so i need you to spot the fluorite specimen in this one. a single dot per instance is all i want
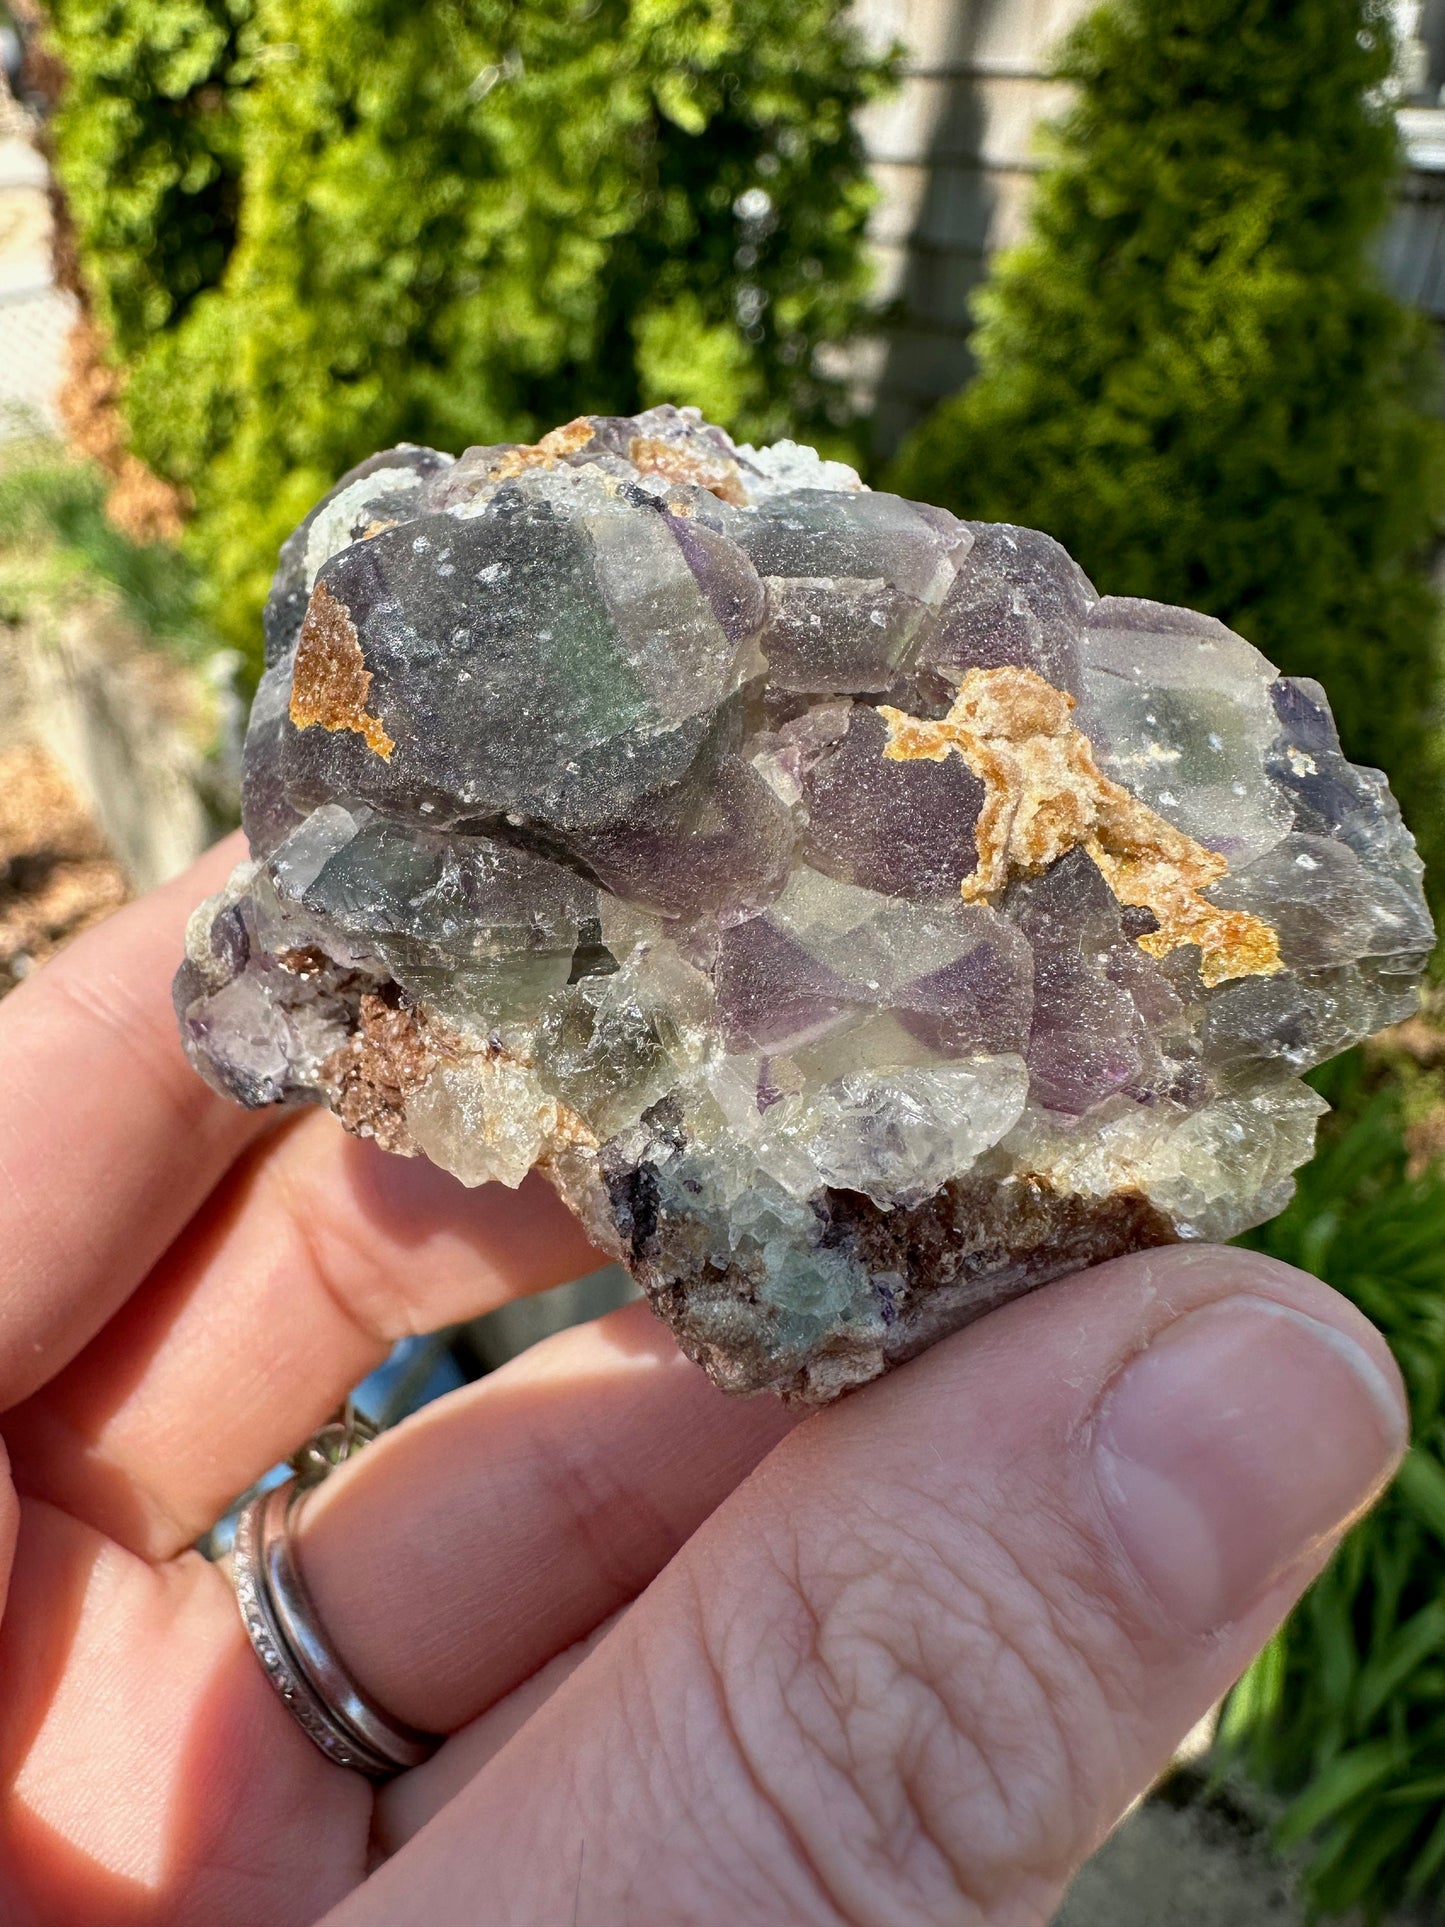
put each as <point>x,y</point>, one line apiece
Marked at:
<point>857,918</point>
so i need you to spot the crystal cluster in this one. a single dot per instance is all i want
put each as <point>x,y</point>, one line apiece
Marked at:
<point>856,917</point>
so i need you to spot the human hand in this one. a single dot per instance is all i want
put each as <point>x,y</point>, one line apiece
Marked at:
<point>906,1661</point>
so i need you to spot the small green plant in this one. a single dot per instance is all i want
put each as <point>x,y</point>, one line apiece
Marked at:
<point>315,227</point>
<point>1344,1712</point>
<point>55,542</point>
<point>1189,372</point>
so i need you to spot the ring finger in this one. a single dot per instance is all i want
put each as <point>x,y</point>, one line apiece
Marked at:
<point>448,1562</point>
<point>501,1525</point>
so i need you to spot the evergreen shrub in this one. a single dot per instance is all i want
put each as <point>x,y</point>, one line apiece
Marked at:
<point>315,227</point>
<point>1189,371</point>
<point>150,153</point>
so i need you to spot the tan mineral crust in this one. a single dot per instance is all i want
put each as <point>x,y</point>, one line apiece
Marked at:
<point>1044,796</point>
<point>856,917</point>
<point>331,682</point>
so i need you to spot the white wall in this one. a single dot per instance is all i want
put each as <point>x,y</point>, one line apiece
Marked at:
<point>955,152</point>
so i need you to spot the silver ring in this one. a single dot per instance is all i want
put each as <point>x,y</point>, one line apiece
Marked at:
<point>285,1634</point>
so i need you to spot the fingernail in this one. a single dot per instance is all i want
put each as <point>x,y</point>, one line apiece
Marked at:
<point>1242,1437</point>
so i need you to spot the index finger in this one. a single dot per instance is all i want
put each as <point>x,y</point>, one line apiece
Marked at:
<point>108,1139</point>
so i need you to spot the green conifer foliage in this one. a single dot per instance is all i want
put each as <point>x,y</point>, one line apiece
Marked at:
<point>150,151</point>
<point>1189,372</point>
<point>467,221</point>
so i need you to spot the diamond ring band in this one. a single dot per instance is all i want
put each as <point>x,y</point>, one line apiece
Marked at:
<point>286,1635</point>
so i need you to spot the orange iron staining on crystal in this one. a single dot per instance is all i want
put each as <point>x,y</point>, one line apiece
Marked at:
<point>675,463</point>
<point>332,683</point>
<point>1044,795</point>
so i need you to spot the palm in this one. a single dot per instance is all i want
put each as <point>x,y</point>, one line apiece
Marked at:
<point>190,1290</point>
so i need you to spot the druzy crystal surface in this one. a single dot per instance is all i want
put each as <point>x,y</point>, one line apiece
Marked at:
<point>856,917</point>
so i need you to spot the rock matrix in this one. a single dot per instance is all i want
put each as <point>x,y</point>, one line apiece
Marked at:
<point>857,918</point>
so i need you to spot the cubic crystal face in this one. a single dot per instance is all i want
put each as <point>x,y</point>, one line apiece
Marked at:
<point>856,917</point>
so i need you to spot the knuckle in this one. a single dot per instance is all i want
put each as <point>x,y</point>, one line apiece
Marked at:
<point>948,1710</point>
<point>603,1508</point>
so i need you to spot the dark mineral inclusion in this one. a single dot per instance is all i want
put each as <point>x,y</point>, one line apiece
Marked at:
<point>856,917</point>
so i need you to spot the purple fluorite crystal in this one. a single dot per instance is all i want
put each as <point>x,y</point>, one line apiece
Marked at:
<point>858,919</point>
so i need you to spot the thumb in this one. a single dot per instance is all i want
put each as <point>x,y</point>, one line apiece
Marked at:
<point>919,1663</point>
